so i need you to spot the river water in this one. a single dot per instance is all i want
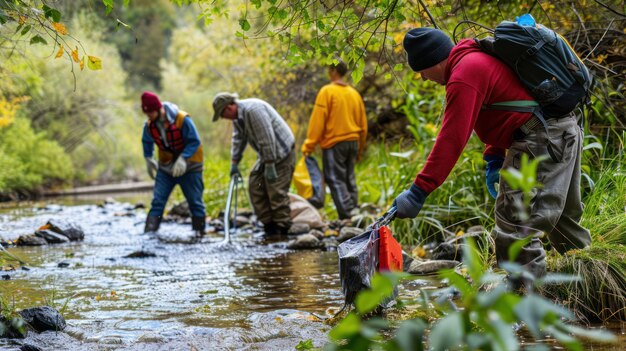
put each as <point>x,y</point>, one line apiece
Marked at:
<point>251,294</point>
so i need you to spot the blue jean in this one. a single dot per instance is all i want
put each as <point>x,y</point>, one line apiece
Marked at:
<point>192,185</point>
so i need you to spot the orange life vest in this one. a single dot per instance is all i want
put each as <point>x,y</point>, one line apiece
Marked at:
<point>175,143</point>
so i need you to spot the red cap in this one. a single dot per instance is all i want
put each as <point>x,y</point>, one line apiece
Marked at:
<point>150,102</point>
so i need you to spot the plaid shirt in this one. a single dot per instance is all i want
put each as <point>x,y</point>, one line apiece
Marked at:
<point>263,128</point>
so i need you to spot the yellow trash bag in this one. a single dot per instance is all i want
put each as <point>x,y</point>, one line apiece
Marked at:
<point>309,181</point>
<point>302,180</point>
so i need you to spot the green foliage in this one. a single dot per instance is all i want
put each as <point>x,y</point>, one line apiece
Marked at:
<point>89,116</point>
<point>11,320</point>
<point>30,159</point>
<point>305,345</point>
<point>487,322</point>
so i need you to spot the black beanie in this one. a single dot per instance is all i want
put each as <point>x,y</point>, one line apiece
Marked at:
<point>426,47</point>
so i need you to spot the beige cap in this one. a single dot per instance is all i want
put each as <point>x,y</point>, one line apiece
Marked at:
<point>220,101</point>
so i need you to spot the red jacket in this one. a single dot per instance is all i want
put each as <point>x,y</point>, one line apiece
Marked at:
<point>473,79</point>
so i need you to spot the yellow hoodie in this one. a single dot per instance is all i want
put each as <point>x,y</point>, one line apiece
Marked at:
<point>338,115</point>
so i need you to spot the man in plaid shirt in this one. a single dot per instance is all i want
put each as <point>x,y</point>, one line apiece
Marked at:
<point>257,123</point>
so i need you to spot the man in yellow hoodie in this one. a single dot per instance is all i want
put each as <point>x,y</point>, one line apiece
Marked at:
<point>339,125</point>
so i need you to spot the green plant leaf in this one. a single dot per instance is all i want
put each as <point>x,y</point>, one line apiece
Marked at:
<point>244,24</point>
<point>447,334</point>
<point>517,247</point>
<point>410,335</point>
<point>599,335</point>
<point>347,328</point>
<point>367,300</point>
<point>595,145</point>
<point>37,39</point>
<point>305,345</point>
<point>25,29</point>
<point>51,13</point>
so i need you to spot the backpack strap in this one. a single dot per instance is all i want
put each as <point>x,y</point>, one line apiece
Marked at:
<point>530,106</point>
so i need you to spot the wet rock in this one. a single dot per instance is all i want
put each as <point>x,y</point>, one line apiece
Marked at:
<point>303,242</point>
<point>139,205</point>
<point>63,264</point>
<point>43,318</point>
<point>241,221</point>
<point>109,201</point>
<point>70,230</point>
<point>52,237</point>
<point>6,277</point>
<point>330,244</point>
<point>317,233</point>
<point>418,267</point>
<point>446,251</point>
<point>217,224</point>
<point>30,347</point>
<point>299,228</point>
<point>348,233</point>
<point>13,328</point>
<point>140,254</point>
<point>180,209</point>
<point>30,240</point>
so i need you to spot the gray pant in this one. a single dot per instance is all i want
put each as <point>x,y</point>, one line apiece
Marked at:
<point>555,208</point>
<point>338,162</point>
<point>271,200</point>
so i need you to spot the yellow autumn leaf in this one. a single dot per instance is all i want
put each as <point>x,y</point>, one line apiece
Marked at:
<point>22,19</point>
<point>60,53</point>
<point>82,64</point>
<point>460,233</point>
<point>94,63</point>
<point>60,28</point>
<point>419,251</point>
<point>75,55</point>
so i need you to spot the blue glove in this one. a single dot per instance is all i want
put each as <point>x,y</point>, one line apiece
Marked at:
<point>234,169</point>
<point>494,164</point>
<point>409,202</point>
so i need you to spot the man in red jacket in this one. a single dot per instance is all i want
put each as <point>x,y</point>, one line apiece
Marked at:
<point>474,79</point>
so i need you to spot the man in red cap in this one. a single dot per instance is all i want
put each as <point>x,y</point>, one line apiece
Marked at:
<point>473,80</point>
<point>180,159</point>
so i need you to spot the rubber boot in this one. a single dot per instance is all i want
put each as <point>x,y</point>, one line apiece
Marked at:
<point>198,224</point>
<point>152,224</point>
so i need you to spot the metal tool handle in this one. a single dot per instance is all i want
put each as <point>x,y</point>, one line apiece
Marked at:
<point>384,219</point>
<point>232,186</point>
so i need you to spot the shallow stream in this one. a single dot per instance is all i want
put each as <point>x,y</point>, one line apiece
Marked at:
<point>251,294</point>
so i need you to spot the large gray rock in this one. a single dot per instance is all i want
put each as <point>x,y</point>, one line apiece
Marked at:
<point>304,242</point>
<point>348,233</point>
<point>31,240</point>
<point>72,231</point>
<point>418,267</point>
<point>446,251</point>
<point>317,233</point>
<point>299,228</point>
<point>52,237</point>
<point>43,318</point>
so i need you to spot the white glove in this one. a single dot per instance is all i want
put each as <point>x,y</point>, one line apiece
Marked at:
<point>153,166</point>
<point>180,166</point>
